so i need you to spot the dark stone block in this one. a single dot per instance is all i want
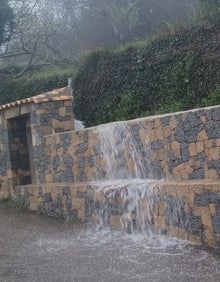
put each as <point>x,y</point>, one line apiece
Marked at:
<point>83,135</point>
<point>202,200</point>
<point>59,202</point>
<point>218,208</point>
<point>72,215</point>
<point>91,162</point>
<point>197,174</point>
<point>202,157</point>
<point>47,198</point>
<point>192,126</point>
<point>192,121</point>
<point>64,176</point>
<point>178,118</point>
<point>216,224</point>
<point>45,119</point>
<point>170,139</point>
<point>135,130</point>
<point>17,191</point>
<point>66,191</point>
<point>55,162</point>
<point>209,115</point>
<point>82,148</point>
<point>157,145</point>
<point>66,138</point>
<point>179,134</point>
<point>185,152</point>
<point>214,197</point>
<point>165,121</point>
<point>68,203</point>
<point>216,114</point>
<point>42,176</point>
<point>81,163</point>
<point>157,171</point>
<point>175,213</point>
<point>192,133</point>
<point>81,194</point>
<point>195,232</point>
<point>69,109</point>
<point>174,160</point>
<point>195,222</point>
<point>69,162</point>
<point>59,130</point>
<point>213,129</point>
<point>96,150</point>
<point>64,118</point>
<point>81,178</point>
<point>206,198</point>
<point>40,192</point>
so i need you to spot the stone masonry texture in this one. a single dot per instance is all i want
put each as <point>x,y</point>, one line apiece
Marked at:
<point>55,174</point>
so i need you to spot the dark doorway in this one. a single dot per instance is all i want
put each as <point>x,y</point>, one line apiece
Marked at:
<point>19,151</point>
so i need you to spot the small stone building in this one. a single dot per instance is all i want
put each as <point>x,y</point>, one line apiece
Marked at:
<point>22,125</point>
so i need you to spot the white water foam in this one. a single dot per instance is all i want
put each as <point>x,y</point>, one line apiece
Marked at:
<point>123,156</point>
<point>128,186</point>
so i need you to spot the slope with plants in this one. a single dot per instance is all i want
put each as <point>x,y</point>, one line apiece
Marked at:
<point>180,71</point>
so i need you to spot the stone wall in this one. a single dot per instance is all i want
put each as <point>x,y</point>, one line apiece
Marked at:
<point>186,210</point>
<point>181,146</point>
<point>66,167</point>
<point>23,124</point>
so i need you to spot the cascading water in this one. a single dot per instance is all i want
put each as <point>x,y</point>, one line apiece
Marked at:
<point>126,191</point>
<point>122,155</point>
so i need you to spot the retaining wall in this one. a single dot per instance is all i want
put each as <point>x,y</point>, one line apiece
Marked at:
<point>183,209</point>
<point>181,146</point>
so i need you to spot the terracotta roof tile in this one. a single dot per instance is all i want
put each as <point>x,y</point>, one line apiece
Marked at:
<point>62,94</point>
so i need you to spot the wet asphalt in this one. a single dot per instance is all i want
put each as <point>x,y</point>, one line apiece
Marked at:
<point>37,248</point>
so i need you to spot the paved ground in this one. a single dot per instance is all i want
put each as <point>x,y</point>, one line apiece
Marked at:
<point>37,248</point>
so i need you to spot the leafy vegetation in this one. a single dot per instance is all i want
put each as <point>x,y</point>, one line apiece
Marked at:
<point>27,86</point>
<point>173,73</point>
<point>175,68</point>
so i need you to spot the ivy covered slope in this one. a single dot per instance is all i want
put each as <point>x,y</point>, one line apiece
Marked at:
<point>177,72</point>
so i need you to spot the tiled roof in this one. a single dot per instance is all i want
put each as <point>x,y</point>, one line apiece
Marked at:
<point>62,94</point>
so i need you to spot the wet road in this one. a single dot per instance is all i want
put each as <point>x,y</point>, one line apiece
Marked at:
<point>38,248</point>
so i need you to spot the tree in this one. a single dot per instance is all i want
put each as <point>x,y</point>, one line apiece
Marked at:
<point>6,21</point>
<point>48,31</point>
<point>41,36</point>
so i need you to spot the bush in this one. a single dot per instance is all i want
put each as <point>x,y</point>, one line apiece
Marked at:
<point>27,86</point>
<point>170,74</point>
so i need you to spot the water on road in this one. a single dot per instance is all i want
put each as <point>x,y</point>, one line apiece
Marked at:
<point>37,248</point>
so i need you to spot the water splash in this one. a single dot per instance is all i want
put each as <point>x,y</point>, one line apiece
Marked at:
<point>127,204</point>
<point>123,154</point>
<point>126,197</point>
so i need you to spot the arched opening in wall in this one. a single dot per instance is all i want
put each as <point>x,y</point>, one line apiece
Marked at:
<point>21,150</point>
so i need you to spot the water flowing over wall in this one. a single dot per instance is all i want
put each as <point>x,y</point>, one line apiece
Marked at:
<point>157,175</point>
<point>182,146</point>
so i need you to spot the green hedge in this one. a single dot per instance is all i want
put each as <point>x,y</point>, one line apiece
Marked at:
<point>178,72</point>
<point>16,89</point>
